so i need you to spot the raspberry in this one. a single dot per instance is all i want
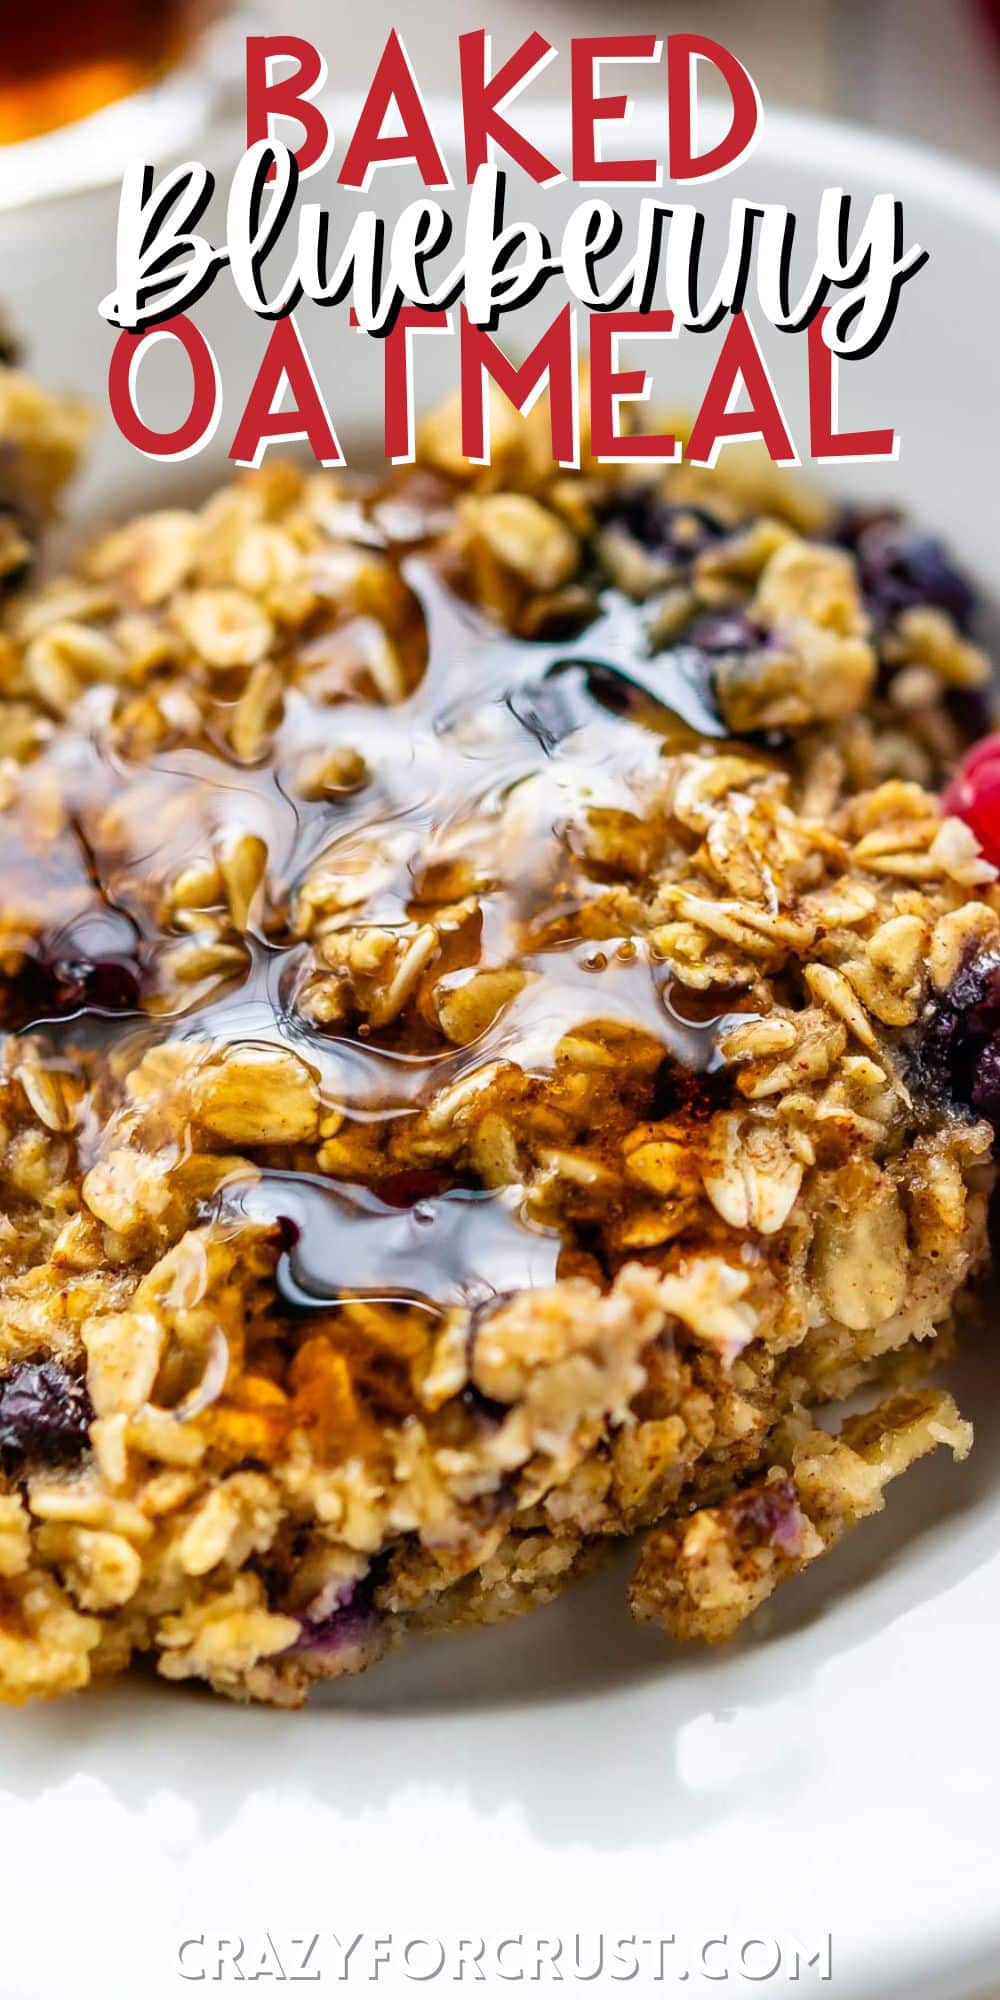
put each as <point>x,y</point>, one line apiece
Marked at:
<point>974,795</point>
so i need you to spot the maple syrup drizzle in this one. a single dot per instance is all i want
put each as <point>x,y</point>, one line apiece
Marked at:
<point>343,1241</point>
<point>485,762</point>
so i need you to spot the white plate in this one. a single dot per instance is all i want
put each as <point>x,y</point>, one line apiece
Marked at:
<point>834,1775</point>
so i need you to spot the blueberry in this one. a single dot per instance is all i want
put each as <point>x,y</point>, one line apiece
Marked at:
<point>899,570</point>
<point>352,1619</point>
<point>51,989</point>
<point>663,527</point>
<point>854,522</point>
<point>765,1506</point>
<point>90,966</point>
<point>986,1087</point>
<point>773,1512</point>
<point>45,1415</point>
<point>956,1053</point>
<point>347,1626</point>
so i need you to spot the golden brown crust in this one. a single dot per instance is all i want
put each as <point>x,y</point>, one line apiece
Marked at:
<point>701,1577</point>
<point>575,1034</point>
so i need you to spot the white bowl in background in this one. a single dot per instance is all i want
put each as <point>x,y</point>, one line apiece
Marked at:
<point>834,1774</point>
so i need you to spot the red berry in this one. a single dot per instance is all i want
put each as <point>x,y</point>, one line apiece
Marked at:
<point>974,794</point>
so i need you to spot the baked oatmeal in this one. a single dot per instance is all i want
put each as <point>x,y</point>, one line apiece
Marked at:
<point>501,1034</point>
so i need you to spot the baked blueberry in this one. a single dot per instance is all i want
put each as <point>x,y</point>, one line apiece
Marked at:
<point>45,1415</point>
